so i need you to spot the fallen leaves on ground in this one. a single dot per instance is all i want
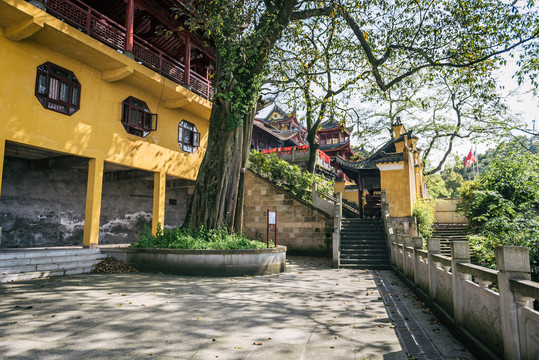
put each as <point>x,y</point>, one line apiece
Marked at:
<point>112,265</point>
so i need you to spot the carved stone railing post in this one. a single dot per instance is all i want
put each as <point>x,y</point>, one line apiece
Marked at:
<point>433,247</point>
<point>406,242</point>
<point>398,255</point>
<point>513,262</point>
<point>460,253</point>
<point>314,193</point>
<point>394,249</point>
<point>337,224</point>
<point>418,245</point>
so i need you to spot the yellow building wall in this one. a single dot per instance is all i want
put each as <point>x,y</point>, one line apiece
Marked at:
<point>350,195</point>
<point>94,131</point>
<point>396,183</point>
<point>29,37</point>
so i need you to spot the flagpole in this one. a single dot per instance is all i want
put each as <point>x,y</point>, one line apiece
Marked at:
<point>476,161</point>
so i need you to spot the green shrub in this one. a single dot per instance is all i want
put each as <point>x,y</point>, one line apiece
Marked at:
<point>424,213</point>
<point>502,207</point>
<point>289,177</point>
<point>196,239</point>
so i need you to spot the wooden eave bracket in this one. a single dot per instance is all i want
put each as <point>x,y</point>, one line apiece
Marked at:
<point>118,74</point>
<point>24,29</point>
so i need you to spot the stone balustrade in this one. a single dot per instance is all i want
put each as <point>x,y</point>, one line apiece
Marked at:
<point>490,310</point>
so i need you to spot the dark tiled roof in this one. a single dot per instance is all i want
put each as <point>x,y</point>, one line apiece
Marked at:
<point>279,134</point>
<point>370,162</point>
<point>332,124</point>
<point>334,146</point>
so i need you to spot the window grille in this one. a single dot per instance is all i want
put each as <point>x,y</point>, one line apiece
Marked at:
<point>188,136</point>
<point>57,89</point>
<point>137,118</point>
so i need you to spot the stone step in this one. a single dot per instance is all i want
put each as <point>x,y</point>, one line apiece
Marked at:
<point>363,221</point>
<point>28,253</point>
<point>43,274</point>
<point>363,247</point>
<point>381,257</point>
<point>49,266</point>
<point>25,264</point>
<point>365,267</point>
<point>352,241</point>
<point>48,259</point>
<point>375,265</point>
<point>359,235</point>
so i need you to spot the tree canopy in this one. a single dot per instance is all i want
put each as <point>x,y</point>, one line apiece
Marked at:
<point>502,205</point>
<point>392,40</point>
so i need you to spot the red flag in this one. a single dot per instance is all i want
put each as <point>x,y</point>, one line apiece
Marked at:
<point>470,159</point>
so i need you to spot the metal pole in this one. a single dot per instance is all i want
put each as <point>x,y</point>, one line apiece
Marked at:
<point>275,240</point>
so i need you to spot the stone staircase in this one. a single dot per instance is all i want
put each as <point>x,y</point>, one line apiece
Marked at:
<point>447,233</point>
<point>25,264</point>
<point>350,209</point>
<point>363,244</point>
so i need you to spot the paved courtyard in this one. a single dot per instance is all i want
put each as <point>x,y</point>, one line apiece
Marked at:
<point>309,312</point>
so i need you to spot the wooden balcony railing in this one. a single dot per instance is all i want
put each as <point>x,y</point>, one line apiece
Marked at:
<point>100,27</point>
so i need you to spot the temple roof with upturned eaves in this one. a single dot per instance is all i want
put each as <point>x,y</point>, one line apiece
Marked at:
<point>333,124</point>
<point>335,146</point>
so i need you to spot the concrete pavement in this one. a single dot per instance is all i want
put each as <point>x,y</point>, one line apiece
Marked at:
<point>309,312</point>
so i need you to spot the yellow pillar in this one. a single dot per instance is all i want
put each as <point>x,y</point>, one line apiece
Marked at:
<point>2,151</point>
<point>93,203</point>
<point>159,186</point>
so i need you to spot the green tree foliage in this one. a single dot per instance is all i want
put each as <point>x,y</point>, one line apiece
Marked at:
<point>393,41</point>
<point>289,177</point>
<point>453,182</point>
<point>423,211</point>
<point>502,206</point>
<point>313,70</point>
<point>436,187</point>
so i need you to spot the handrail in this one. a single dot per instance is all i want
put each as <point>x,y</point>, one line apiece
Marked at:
<point>444,260</point>
<point>526,288</point>
<point>95,24</point>
<point>483,273</point>
<point>422,253</point>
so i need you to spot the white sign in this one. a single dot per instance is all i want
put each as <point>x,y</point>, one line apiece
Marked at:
<point>272,218</point>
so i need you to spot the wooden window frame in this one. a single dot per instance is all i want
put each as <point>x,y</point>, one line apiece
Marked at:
<point>144,120</point>
<point>188,136</point>
<point>57,89</point>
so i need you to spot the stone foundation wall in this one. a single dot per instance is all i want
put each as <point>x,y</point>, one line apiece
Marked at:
<point>45,207</point>
<point>300,227</point>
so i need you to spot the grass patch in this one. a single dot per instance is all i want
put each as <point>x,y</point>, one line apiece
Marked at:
<point>196,239</point>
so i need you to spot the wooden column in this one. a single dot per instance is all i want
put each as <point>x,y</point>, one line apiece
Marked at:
<point>187,73</point>
<point>159,186</point>
<point>93,203</point>
<point>129,25</point>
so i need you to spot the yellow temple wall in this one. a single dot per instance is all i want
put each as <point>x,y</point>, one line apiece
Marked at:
<point>94,131</point>
<point>350,195</point>
<point>29,37</point>
<point>396,183</point>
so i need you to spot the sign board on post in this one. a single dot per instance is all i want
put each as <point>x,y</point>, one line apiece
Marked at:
<point>271,221</point>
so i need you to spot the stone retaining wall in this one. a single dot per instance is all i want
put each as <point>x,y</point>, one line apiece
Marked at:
<point>301,227</point>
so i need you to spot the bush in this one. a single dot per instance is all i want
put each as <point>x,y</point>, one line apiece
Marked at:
<point>195,239</point>
<point>289,177</point>
<point>424,213</point>
<point>502,207</point>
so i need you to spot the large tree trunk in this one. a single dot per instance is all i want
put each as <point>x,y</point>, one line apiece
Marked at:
<point>313,151</point>
<point>214,199</point>
<point>247,135</point>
